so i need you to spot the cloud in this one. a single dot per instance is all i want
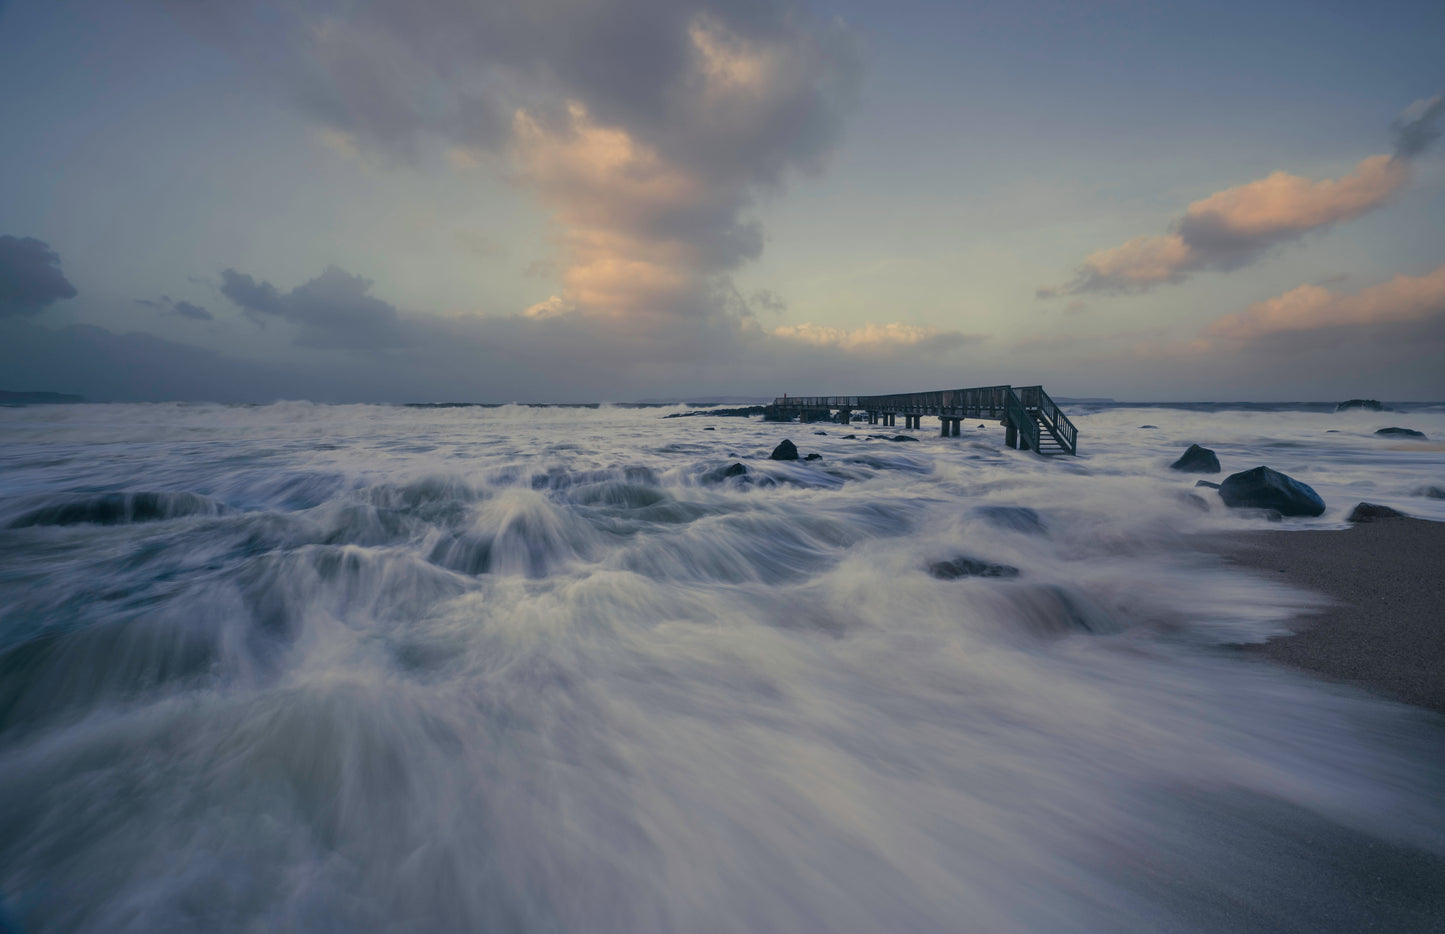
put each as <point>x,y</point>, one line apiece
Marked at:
<point>30,277</point>
<point>1418,126</point>
<point>874,338</point>
<point>646,127</point>
<point>1311,307</point>
<point>1235,227</point>
<point>332,311</point>
<point>181,309</point>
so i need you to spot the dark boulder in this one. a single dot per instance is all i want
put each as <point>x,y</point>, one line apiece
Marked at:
<point>1396,432</point>
<point>820,432</point>
<point>850,437</point>
<point>1368,512</point>
<point>1372,405</point>
<point>902,438</point>
<point>813,456</point>
<point>786,451</point>
<point>1017,518</point>
<point>1197,460</point>
<point>1141,427</point>
<point>1429,492</point>
<point>1263,488</point>
<point>709,428</point>
<point>736,470</point>
<point>964,566</point>
<point>1212,486</point>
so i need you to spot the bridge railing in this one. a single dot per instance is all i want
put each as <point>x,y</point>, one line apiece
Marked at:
<point>1018,415</point>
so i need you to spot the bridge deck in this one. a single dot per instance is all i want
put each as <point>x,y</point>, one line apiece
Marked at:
<point>1031,417</point>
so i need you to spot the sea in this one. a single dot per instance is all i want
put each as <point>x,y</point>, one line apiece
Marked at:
<point>351,668</point>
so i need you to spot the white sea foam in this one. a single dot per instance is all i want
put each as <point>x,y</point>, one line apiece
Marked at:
<point>372,668</point>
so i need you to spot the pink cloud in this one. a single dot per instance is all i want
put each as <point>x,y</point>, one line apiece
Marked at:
<point>1308,307</point>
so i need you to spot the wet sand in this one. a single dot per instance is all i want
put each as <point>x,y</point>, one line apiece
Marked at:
<point>1386,631</point>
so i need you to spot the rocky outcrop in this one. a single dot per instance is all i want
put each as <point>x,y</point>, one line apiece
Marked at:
<point>1197,460</point>
<point>1263,488</point>
<point>1396,432</point>
<point>1370,405</point>
<point>964,566</point>
<point>736,470</point>
<point>1016,518</point>
<point>1206,483</point>
<point>785,451</point>
<point>1369,512</point>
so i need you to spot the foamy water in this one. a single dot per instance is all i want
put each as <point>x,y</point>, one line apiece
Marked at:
<point>356,668</point>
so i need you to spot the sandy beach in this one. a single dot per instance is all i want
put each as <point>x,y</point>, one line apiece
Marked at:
<point>1386,629</point>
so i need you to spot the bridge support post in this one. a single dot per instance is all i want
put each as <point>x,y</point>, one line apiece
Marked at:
<point>1011,435</point>
<point>957,424</point>
<point>942,427</point>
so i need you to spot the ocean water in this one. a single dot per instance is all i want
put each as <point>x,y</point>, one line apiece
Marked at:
<point>356,668</point>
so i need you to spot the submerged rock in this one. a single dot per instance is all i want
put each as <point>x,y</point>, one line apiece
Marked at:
<point>1397,432</point>
<point>736,470</point>
<point>709,428</point>
<point>850,437</point>
<point>1429,492</point>
<point>1206,483</point>
<point>902,438</point>
<point>1142,427</point>
<point>813,456</point>
<point>820,432</point>
<point>1197,460</point>
<point>1368,512</point>
<point>1016,518</point>
<point>1372,405</point>
<point>1264,488</point>
<point>964,566</point>
<point>1195,500</point>
<point>786,451</point>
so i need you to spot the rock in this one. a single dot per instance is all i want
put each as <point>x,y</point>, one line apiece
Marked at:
<point>850,437</point>
<point>1393,431</point>
<point>1269,489</point>
<point>1372,405</point>
<point>1141,427</point>
<point>820,432</point>
<point>1195,500</point>
<point>736,470</point>
<point>964,566</point>
<point>1212,486</point>
<point>785,451</point>
<point>1018,518</point>
<point>1332,431</point>
<point>814,456</point>
<point>1197,460</point>
<point>709,428</point>
<point>902,438</point>
<point>1429,492</point>
<point>1368,512</point>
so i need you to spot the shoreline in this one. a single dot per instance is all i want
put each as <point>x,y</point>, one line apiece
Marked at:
<point>1385,630</point>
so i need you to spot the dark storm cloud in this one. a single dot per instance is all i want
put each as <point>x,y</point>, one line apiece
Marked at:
<point>334,310</point>
<point>30,276</point>
<point>1418,126</point>
<point>182,309</point>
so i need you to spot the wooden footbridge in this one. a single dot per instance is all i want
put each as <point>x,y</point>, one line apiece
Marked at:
<point>1031,420</point>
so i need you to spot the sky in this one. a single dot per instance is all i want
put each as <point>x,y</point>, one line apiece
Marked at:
<point>612,200</point>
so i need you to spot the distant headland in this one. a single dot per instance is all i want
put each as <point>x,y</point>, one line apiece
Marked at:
<point>38,398</point>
